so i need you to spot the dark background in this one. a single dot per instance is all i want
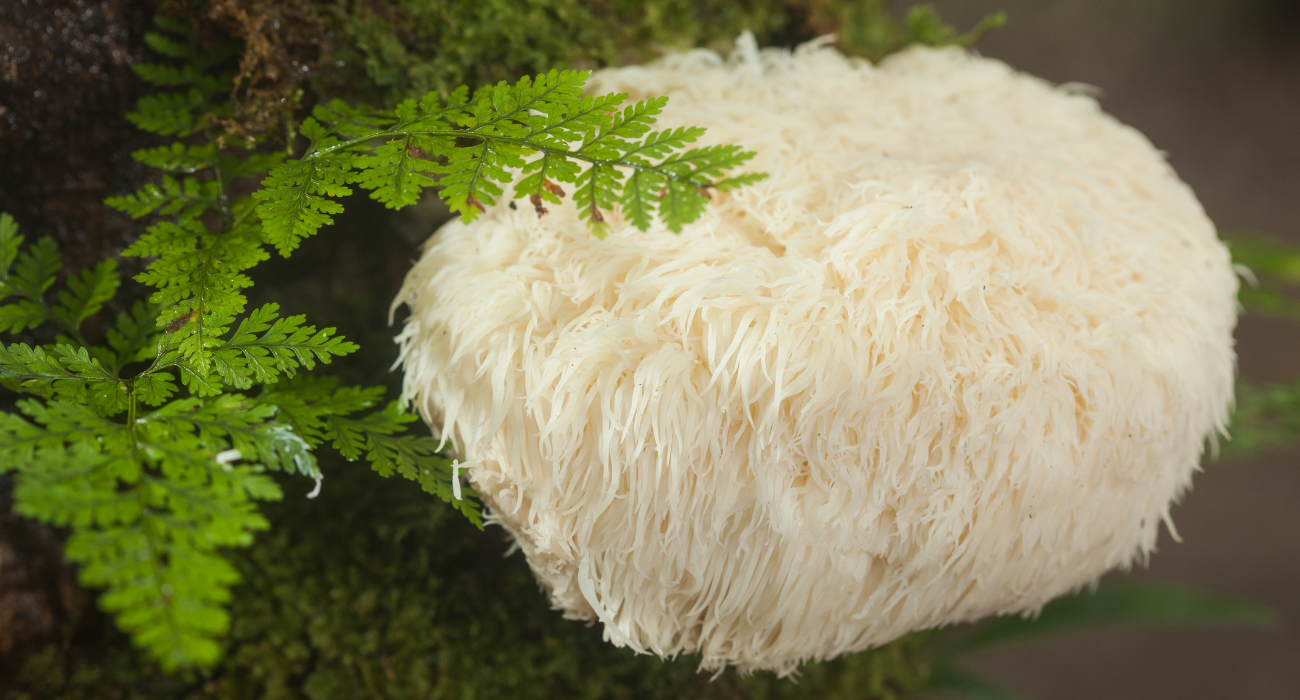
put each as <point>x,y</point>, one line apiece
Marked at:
<point>1215,84</point>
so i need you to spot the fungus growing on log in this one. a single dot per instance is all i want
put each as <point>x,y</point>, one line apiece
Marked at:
<point>956,356</point>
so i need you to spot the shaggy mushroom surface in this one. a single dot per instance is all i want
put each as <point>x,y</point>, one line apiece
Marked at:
<point>956,356</point>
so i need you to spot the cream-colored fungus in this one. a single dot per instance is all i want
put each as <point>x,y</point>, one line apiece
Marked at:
<point>956,356</point>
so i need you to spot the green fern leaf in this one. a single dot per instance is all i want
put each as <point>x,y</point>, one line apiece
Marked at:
<point>87,292</point>
<point>147,539</point>
<point>243,425</point>
<point>537,184</point>
<point>294,200</point>
<point>10,242</point>
<point>154,389</point>
<point>150,502</point>
<point>732,183</point>
<point>264,346</point>
<point>178,157</point>
<point>338,117</point>
<point>383,436</point>
<point>413,457</point>
<point>469,186</point>
<point>476,145</point>
<point>686,197</point>
<point>498,106</point>
<point>394,174</point>
<point>682,202</point>
<point>597,190</point>
<point>321,411</point>
<point>199,276</point>
<point>69,373</point>
<point>19,316</point>
<point>145,200</point>
<point>199,379</point>
<point>169,114</point>
<point>255,164</point>
<point>34,271</point>
<point>640,196</point>
<point>304,402</point>
<point>134,337</point>
<point>612,140</point>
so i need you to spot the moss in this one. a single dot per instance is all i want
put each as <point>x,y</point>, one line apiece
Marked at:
<point>386,50</point>
<point>373,591</point>
<point>382,51</point>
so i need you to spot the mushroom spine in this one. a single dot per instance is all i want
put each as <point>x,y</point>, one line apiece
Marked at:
<point>956,356</point>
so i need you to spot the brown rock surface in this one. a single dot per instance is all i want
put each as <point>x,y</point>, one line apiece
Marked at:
<point>65,86</point>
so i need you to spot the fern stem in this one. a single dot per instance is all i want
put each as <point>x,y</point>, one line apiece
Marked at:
<point>223,199</point>
<point>240,219</point>
<point>130,419</point>
<point>151,542</point>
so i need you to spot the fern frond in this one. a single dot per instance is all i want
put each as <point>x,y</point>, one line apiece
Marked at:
<point>348,122</point>
<point>150,502</point>
<point>476,145</point>
<point>180,41</point>
<point>254,165</point>
<point>503,108</point>
<point>22,315</point>
<point>153,389</point>
<point>167,46</point>
<point>178,157</point>
<point>732,183</point>
<point>87,292</point>
<point>134,337</point>
<point>31,271</point>
<point>640,196</point>
<point>395,174</point>
<point>304,402</point>
<point>597,189</point>
<point>381,435</point>
<point>69,373</point>
<point>612,140</point>
<point>537,183</point>
<point>265,345</point>
<point>170,196</point>
<point>169,114</point>
<point>294,200</point>
<point>321,412</point>
<point>10,242</point>
<point>36,271</point>
<point>166,76</point>
<point>242,424</point>
<point>179,76</point>
<point>472,174</point>
<point>199,276</point>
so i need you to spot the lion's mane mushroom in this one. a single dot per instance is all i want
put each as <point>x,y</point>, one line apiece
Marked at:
<point>958,355</point>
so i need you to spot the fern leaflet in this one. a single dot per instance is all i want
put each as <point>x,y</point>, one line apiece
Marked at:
<point>472,147</point>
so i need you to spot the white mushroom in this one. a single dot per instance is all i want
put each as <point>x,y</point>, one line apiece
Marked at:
<point>958,355</point>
